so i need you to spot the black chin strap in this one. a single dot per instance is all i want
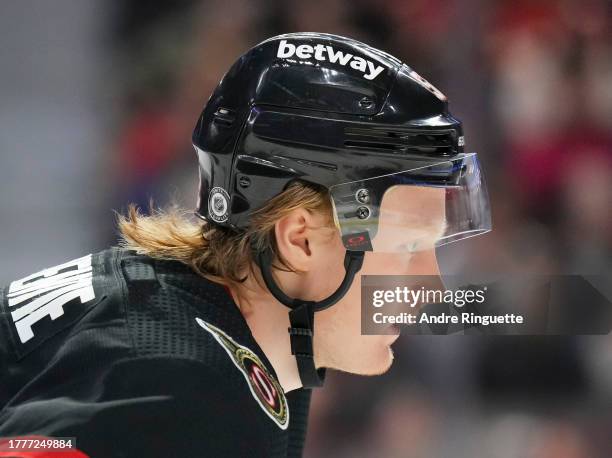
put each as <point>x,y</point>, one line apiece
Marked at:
<point>301,316</point>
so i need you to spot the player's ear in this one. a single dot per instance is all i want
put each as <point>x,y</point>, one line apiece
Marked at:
<point>292,233</point>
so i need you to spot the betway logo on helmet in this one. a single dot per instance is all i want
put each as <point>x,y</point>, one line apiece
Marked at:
<point>327,53</point>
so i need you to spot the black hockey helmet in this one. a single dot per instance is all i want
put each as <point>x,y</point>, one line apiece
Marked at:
<point>338,113</point>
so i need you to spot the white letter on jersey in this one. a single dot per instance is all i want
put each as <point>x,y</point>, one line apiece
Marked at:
<point>45,293</point>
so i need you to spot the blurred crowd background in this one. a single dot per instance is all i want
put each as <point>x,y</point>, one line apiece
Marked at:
<point>98,101</point>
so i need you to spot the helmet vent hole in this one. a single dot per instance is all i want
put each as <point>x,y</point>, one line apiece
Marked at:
<point>430,142</point>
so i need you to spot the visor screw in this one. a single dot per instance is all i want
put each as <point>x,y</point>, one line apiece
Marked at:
<point>244,182</point>
<point>362,196</point>
<point>363,212</point>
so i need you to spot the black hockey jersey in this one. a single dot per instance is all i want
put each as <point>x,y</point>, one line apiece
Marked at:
<point>137,357</point>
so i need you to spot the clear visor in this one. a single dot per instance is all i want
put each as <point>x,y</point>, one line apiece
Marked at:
<point>414,210</point>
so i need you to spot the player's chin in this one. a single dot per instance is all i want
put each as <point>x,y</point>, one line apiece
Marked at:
<point>378,364</point>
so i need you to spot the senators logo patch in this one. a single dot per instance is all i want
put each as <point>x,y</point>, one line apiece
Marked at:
<point>265,388</point>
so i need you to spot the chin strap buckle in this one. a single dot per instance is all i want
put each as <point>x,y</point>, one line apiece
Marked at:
<point>301,318</point>
<point>301,342</point>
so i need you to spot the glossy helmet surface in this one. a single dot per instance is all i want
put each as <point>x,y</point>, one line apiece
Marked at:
<point>315,107</point>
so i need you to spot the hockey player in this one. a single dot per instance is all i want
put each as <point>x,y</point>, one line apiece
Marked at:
<point>321,159</point>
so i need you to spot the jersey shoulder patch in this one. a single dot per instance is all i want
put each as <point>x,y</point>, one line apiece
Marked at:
<point>263,385</point>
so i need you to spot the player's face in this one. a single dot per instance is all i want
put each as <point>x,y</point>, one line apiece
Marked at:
<point>410,221</point>
<point>339,343</point>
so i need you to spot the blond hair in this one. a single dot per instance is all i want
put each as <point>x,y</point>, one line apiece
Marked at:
<point>214,252</point>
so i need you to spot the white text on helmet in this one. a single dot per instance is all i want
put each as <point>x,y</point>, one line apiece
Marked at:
<point>323,52</point>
